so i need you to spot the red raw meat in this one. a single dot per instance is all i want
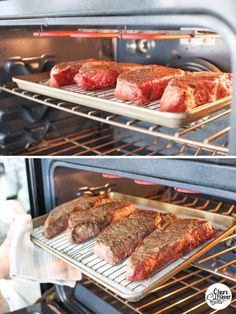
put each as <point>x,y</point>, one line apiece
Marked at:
<point>144,84</point>
<point>102,74</point>
<point>185,93</point>
<point>162,247</point>
<point>63,74</point>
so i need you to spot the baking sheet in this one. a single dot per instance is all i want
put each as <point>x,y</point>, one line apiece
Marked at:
<point>105,100</point>
<point>113,277</point>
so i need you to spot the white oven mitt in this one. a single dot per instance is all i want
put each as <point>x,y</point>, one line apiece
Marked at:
<point>31,263</point>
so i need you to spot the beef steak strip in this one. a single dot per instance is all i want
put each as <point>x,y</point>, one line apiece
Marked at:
<point>119,240</point>
<point>145,84</point>
<point>63,74</point>
<point>100,75</point>
<point>57,220</point>
<point>90,223</point>
<point>185,93</point>
<point>162,247</point>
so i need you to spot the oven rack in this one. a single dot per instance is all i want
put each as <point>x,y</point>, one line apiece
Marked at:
<point>101,142</point>
<point>182,294</point>
<point>189,137</point>
<point>197,201</point>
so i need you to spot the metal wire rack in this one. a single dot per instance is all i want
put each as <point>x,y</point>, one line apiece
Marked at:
<point>185,292</point>
<point>207,136</point>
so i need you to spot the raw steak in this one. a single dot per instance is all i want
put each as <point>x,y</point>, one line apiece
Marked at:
<point>102,74</point>
<point>119,240</point>
<point>185,93</point>
<point>144,84</point>
<point>57,221</point>
<point>162,247</point>
<point>90,223</point>
<point>63,74</point>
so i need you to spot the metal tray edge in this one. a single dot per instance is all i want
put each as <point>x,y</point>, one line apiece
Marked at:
<point>168,119</point>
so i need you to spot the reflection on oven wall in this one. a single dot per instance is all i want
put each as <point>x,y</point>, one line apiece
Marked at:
<point>191,54</point>
<point>79,179</point>
<point>24,122</point>
<point>21,42</point>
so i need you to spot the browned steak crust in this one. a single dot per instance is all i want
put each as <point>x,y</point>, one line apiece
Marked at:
<point>92,222</point>
<point>119,240</point>
<point>57,220</point>
<point>162,247</point>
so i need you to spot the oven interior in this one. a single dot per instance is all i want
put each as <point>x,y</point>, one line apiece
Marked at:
<point>33,124</point>
<point>184,293</point>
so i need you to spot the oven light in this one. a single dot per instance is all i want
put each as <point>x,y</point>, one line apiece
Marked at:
<point>144,182</point>
<point>127,34</point>
<point>110,176</point>
<point>186,191</point>
<point>80,34</point>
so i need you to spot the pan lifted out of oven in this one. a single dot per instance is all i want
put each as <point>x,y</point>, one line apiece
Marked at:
<point>161,184</point>
<point>113,277</point>
<point>69,121</point>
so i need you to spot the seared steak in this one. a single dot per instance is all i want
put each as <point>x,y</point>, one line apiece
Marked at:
<point>144,84</point>
<point>162,247</point>
<point>90,223</point>
<point>57,221</point>
<point>119,240</point>
<point>185,93</point>
<point>62,74</point>
<point>102,74</point>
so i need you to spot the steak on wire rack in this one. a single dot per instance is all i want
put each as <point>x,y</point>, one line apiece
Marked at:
<point>185,93</point>
<point>90,223</point>
<point>145,84</point>
<point>57,220</point>
<point>119,240</point>
<point>103,74</point>
<point>162,247</point>
<point>63,74</point>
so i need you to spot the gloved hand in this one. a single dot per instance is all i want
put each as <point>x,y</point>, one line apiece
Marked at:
<point>21,258</point>
<point>32,263</point>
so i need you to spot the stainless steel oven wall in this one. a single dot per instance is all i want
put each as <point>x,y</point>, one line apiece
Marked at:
<point>190,54</point>
<point>19,41</point>
<point>61,178</point>
<point>25,122</point>
<point>24,9</point>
